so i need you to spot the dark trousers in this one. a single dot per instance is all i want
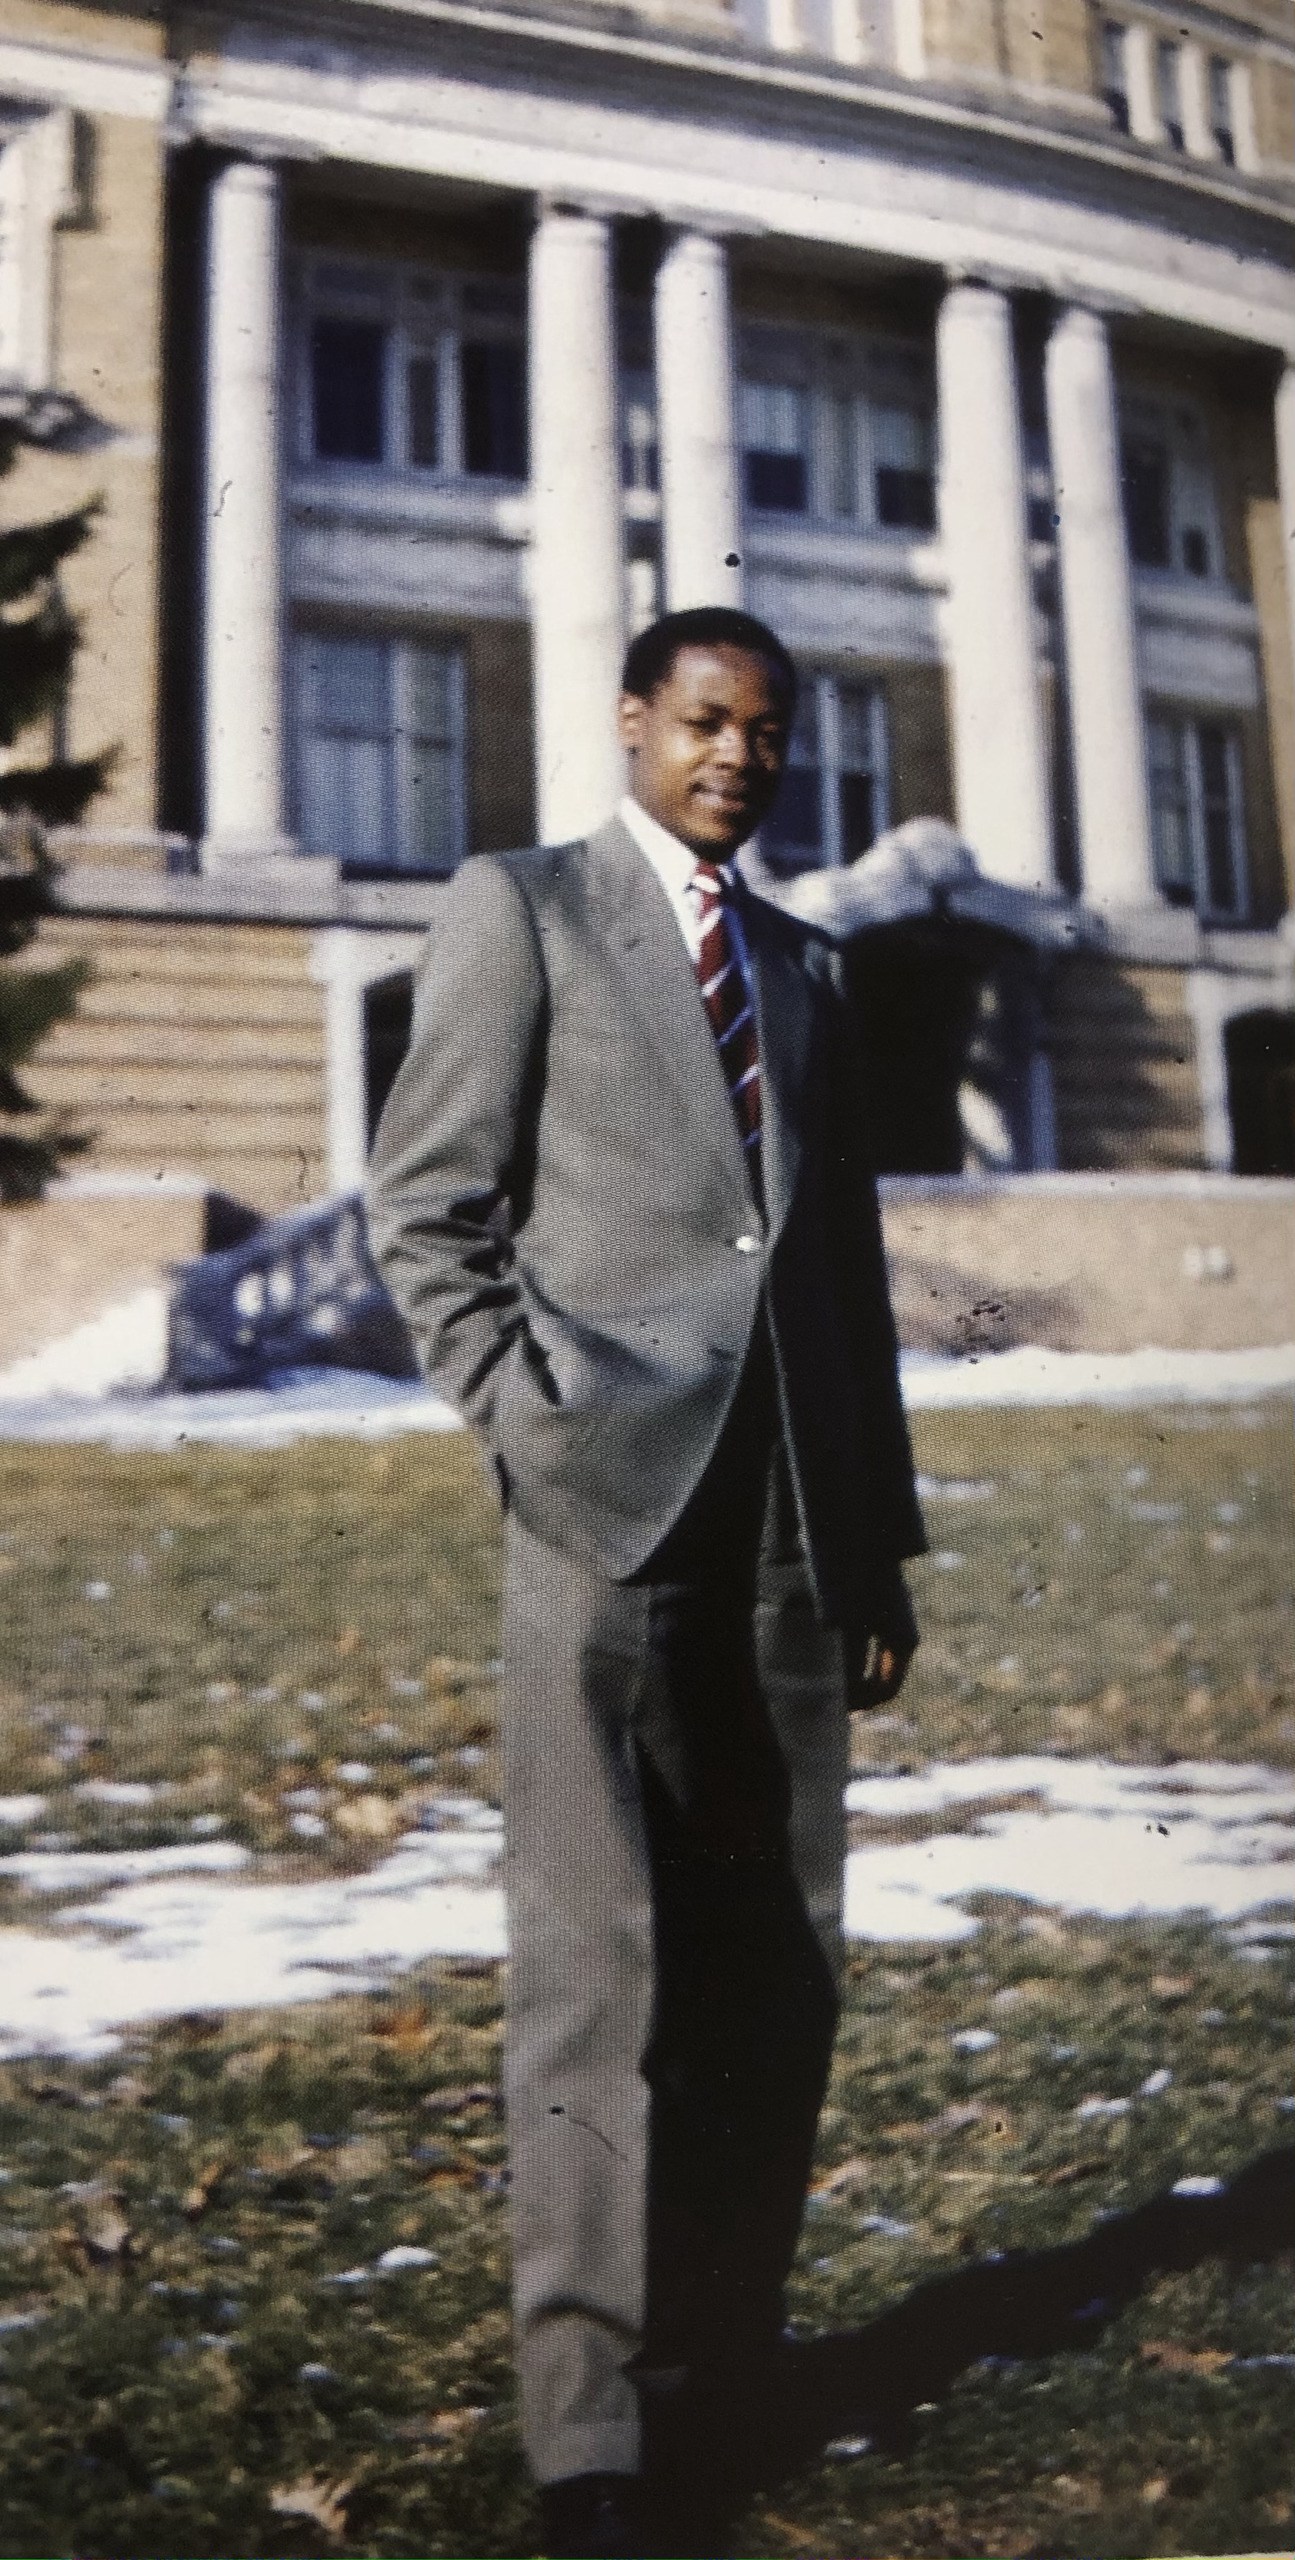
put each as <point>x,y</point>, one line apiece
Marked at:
<point>675,1754</point>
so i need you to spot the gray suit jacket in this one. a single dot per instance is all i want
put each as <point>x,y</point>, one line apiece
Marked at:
<point>560,1205</point>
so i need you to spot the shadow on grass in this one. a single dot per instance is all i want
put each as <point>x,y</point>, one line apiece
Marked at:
<point>1028,2303</point>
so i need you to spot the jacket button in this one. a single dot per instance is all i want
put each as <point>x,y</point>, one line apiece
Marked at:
<point>746,1244</point>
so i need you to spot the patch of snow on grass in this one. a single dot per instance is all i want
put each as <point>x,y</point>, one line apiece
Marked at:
<point>125,1347</point>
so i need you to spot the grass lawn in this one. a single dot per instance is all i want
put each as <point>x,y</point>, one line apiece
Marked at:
<point>199,2352</point>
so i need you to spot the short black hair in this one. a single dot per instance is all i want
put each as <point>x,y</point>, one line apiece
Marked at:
<point>650,658</point>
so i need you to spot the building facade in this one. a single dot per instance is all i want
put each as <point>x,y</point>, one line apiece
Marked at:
<point>421,349</point>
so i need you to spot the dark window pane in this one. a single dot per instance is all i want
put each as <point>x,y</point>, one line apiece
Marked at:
<point>905,498</point>
<point>857,801</point>
<point>494,409</point>
<point>1174,135</point>
<point>1145,470</point>
<point>424,414</point>
<point>1196,552</point>
<point>1225,142</point>
<point>346,368</point>
<point>778,481</point>
<point>794,833</point>
<point>1118,108</point>
<point>1216,811</point>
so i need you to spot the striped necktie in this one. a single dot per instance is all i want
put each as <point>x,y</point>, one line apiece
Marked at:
<point>729,1011</point>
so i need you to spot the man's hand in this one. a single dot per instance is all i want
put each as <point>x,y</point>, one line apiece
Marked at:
<point>880,1670</point>
<point>876,1662</point>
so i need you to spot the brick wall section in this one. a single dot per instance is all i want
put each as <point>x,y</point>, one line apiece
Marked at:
<point>108,319</point>
<point>198,1049</point>
<point>1124,1069</point>
<point>921,776</point>
<point>1274,103</point>
<point>982,1266</point>
<point>1041,43</point>
<point>501,754</point>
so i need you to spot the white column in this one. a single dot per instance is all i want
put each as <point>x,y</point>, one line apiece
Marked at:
<point>700,497</point>
<point>999,751</point>
<point>243,599</point>
<point>1140,72</point>
<point>1284,431</point>
<point>1194,90</point>
<point>1100,631</point>
<point>577,557</point>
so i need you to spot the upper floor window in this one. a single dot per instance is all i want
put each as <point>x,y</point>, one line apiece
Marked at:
<point>408,371</point>
<point>1197,814</point>
<point>380,737</point>
<point>1169,499</point>
<point>1222,112</point>
<point>837,429</point>
<point>1169,92</point>
<point>834,799</point>
<point>1113,48</point>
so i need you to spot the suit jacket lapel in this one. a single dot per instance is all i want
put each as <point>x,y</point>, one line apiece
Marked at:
<point>784,1011</point>
<point>660,982</point>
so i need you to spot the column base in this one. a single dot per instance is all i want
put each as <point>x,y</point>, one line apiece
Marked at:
<point>236,851</point>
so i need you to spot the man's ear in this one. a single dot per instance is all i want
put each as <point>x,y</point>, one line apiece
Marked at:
<point>630,722</point>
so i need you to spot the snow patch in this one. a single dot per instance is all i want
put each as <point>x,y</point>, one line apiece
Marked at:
<point>171,1928</point>
<point>125,1347</point>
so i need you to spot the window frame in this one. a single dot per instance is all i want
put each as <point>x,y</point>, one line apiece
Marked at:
<point>398,741</point>
<point>847,381</point>
<point>1179,429</point>
<point>1113,56</point>
<point>1186,728</point>
<point>825,688</point>
<point>425,314</point>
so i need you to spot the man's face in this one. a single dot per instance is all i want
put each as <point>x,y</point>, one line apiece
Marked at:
<point>707,749</point>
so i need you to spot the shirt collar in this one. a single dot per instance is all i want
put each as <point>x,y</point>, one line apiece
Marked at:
<point>674,861</point>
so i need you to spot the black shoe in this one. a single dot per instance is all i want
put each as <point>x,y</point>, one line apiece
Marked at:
<point>596,2516</point>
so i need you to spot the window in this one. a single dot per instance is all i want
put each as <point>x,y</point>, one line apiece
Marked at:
<point>834,798</point>
<point>1169,95</point>
<point>408,371</point>
<point>1114,71</point>
<point>1222,125</point>
<point>1169,501</point>
<point>1197,814</point>
<point>774,419</point>
<point>380,752</point>
<point>903,469</point>
<point>838,428</point>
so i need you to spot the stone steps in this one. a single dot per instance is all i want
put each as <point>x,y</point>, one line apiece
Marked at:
<point>197,1049</point>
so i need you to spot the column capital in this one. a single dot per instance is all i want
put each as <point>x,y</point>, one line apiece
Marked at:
<point>996,283</point>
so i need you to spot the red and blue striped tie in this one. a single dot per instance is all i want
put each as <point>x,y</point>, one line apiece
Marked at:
<point>729,1010</point>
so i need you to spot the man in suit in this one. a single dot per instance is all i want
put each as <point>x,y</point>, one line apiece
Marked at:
<point>621,1194</point>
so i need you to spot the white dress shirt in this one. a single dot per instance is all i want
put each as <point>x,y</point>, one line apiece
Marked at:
<point>675,865</point>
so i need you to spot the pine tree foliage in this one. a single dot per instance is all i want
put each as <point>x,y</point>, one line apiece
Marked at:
<point>38,639</point>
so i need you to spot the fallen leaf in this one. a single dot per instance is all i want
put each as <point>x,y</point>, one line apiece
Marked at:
<point>847,2175</point>
<point>1070,2171</point>
<point>254,2060</point>
<point>317,2502</point>
<point>403,2025</point>
<point>205,2188</point>
<point>99,2231</point>
<point>367,1818</point>
<point>1168,2357</point>
<point>479,2098</point>
<point>1172,1986</point>
<point>447,2426</point>
<point>957,2118</point>
<point>349,1640</point>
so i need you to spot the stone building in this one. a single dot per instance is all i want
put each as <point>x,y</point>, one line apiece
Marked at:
<point>420,348</point>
